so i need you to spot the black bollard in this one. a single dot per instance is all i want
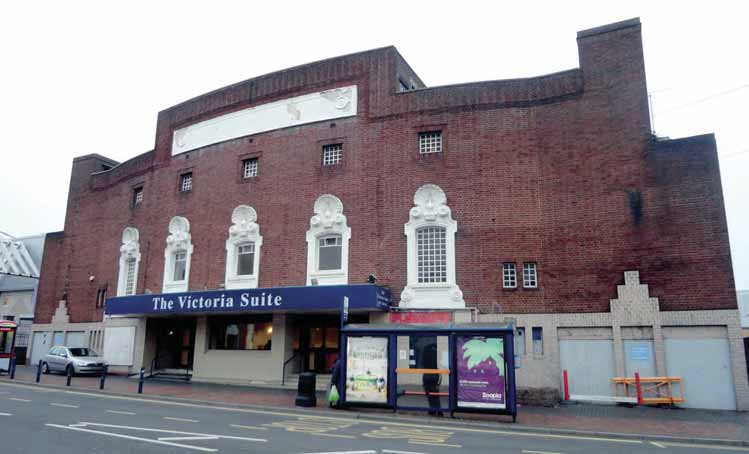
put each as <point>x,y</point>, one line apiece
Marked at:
<point>69,371</point>
<point>39,371</point>
<point>306,391</point>
<point>103,377</point>
<point>12,367</point>
<point>141,379</point>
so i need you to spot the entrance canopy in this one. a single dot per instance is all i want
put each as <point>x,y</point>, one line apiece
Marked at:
<point>365,297</point>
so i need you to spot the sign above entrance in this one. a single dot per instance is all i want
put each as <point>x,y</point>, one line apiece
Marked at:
<point>280,299</point>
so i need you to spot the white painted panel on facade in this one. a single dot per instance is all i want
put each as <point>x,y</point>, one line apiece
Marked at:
<point>299,110</point>
<point>76,339</point>
<point>590,365</point>
<point>704,366</point>
<point>119,342</point>
<point>41,343</point>
<point>639,357</point>
<point>59,338</point>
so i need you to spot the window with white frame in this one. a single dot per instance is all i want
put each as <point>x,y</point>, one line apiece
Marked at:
<point>327,243</point>
<point>137,196</point>
<point>329,253</point>
<point>431,254</point>
<point>530,279</point>
<point>509,275</point>
<point>430,234</point>
<point>332,154</point>
<point>130,276</point>
<point>249,168</point>
<point>127,281</point>
<point>430,142</point>
<point>177,256</point>
<point>185,184</point>
<point>245,259</point>
<point>180,266</point>
<point>243,249</point>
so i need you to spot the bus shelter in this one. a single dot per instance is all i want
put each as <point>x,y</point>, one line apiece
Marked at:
<point>441,368</point>
<point>7,344</point>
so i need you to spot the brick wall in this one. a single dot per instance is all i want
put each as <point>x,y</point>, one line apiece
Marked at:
<point>558,169</point>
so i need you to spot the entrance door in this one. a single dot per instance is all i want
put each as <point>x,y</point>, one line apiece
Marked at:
<point>175,341</point>
<point>318,343</point>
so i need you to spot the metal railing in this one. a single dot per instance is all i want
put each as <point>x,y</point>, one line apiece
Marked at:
<point>283,372</point>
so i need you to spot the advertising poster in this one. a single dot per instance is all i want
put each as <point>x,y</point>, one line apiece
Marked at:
<point>481,372</point>
<point>367,369</point>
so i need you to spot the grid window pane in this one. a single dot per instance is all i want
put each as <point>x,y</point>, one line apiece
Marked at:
<point>530,279</point>
<point>186,183</point>
<point>245,259</point>
<point>130,276</point>
<point>431,254</point>
<point>137,195</point>
<point>430,142</point>
<point>332,154</point>
<point>509,276</point>
<point>180,265</point>
<point>329,253</point>
<point>249,168</point>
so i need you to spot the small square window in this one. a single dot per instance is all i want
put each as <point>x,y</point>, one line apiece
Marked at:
<point>185,184</point>
<point>509,275</point>
<point>538,340</point>
<point>430,142</point>
<point>249,168</point>
<point>137,196</point>
<point>530,278</point>
<point>332,154</point>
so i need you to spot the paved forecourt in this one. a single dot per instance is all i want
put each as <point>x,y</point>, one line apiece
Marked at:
<point>36,419</point>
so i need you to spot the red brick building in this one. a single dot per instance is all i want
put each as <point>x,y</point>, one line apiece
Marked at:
<point>522,200</point>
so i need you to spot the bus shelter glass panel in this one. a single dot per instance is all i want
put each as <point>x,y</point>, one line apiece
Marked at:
<point>367,369</point>
<point>481,372</point>
<point>423,372</point>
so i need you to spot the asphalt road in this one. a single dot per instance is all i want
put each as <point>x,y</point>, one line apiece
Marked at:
<point>45,420</point>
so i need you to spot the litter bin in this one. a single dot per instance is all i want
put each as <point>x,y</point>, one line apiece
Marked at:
<point>306,390</point>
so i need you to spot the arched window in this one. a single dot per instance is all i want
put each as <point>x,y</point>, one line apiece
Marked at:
<point>430,234</point>
<point>177,255</point>
<point>243,249</point>
<point>327,243</point>
<point>127,281</point>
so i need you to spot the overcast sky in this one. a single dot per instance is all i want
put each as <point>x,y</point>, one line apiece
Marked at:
<point>89,77</point>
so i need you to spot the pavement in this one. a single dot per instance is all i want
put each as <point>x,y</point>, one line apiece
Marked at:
<point>717,428</point>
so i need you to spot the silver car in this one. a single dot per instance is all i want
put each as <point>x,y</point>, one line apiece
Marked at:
<point>83,360</point>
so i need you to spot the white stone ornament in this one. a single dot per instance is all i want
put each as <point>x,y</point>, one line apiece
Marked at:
<point>179,233</point>
<point>243,223</point>
<point>431,210</point>
<point>328,212</point>
<point>130,244</point>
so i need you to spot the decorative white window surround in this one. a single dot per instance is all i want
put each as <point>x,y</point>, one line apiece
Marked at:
<point>244,231</point>
<point>129,250</point>
<point>327,220</point>
<point>431,210</point>
<point>179,240</point>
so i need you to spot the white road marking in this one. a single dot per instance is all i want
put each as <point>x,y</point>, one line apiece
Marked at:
<point>146,429</point>
<point>187,438</point>
<point>698,446</point>
<point>54,404</point>
<point>655,443</point>
<point>5,414</point>
<point>323,434</point>
<point>19,400</point>
<point>343,452</point>
<point>525,451</point>
<point>117,412</point>
<point>280,412</point>
<point>239,426</point>
<point>130,437</point>
<point>180,419</point>
<point>394,451</point>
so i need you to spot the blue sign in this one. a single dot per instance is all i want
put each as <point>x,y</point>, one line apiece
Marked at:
<point>313,298</point>
<point>639,353</point>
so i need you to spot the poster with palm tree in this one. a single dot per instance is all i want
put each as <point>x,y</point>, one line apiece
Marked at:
<point>481,372</point>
